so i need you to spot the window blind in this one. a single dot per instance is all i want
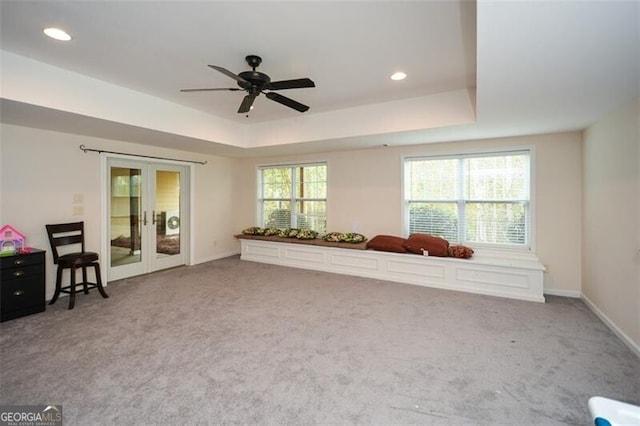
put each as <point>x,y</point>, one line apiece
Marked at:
<point>470,199</point>
<point>293,196</point>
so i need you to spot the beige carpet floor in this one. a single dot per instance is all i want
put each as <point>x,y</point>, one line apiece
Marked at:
<point>235,342</point>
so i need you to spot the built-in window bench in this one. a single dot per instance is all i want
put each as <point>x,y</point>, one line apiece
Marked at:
<point>517,277</point>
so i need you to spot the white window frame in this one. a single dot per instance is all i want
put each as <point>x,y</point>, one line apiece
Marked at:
<point>260,190</point>
<point>485,248</point>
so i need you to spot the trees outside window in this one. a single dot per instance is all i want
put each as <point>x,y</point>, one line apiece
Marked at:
<point>293,196</point>
<point>470,199</point>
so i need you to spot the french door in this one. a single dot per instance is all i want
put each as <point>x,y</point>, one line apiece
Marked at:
<point>147,217</point>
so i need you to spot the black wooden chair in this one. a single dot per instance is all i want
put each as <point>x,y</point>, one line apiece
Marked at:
<point>72,235</point>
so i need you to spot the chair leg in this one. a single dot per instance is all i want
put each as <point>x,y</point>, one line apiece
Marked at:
<point>72,289</point>
<point>84,280</point>
<point>99,281</point>
<point>58,286</point>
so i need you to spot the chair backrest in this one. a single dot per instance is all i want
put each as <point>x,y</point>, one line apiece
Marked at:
<point>64,234</point>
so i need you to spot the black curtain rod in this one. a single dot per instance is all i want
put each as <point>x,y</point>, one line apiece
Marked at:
<point>100,151</point>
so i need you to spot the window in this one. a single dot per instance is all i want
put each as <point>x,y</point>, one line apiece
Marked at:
<point>470,199</point>
<point>293,196</point>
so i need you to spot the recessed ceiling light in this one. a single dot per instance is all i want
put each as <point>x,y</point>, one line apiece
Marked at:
<point>57,33</point>
<point>398,76</point>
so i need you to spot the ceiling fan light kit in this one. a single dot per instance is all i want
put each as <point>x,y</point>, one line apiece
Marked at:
<point>254,83</point>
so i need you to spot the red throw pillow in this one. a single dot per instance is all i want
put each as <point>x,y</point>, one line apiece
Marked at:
<point>387,243</point>
<point>461,252</point>
<point>436,246</point>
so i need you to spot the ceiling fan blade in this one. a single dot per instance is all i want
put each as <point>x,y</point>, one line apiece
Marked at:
<point>230,74</point>
<point>233,89</point>
<point>287,101</point>
<point>245,106</point>
<point>290,84</point>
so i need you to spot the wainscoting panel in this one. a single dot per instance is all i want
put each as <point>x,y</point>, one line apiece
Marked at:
<point>344,260</point>
<point>259,251</point>
<point>495,276</point>
<point>412,268</point>
<point>300,254</point>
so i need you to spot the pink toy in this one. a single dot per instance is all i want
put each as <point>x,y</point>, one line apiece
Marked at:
<point>11,240</point>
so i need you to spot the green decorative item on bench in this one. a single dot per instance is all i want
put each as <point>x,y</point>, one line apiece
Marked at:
<point>268,232</point>
<point>253,230</point>
<point>289,233</point>
<point>333,237</point>
<point>344,237</point>
<point>301,234</point>
<point>307,234</point>
<point>353,237</point>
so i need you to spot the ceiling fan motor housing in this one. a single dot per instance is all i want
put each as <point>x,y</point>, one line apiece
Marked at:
<point>256,78</point>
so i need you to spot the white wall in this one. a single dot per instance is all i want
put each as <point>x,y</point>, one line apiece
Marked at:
<point>611,220</point>
<point>365,195</point>
<point>42,170</point>
<point>589,243</point>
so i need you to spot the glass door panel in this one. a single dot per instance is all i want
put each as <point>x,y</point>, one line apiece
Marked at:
<point>125,216</point>
<point>147,219</point>
<point>167,214</point>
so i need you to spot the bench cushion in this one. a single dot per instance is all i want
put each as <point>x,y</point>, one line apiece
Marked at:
<point>436,246</point>
<point>387,243</point>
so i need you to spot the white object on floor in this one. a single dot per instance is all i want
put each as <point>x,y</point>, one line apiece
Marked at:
<point>607,412</point>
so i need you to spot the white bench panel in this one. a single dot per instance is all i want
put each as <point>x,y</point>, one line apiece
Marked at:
<point>496,278</point>
<point>300,254</point>
<point>490,276</point>
<point>351,261</point>
<point>422,269</point>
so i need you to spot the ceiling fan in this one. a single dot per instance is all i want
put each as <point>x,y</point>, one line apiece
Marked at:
<point>254,83</point>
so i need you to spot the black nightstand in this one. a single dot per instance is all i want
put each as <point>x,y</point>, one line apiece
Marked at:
<point>22,284</point>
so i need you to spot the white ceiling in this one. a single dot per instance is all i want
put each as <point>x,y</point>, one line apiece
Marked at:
<point>541,67</point>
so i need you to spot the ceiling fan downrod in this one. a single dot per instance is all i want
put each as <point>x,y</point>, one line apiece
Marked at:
<point>254,61</point>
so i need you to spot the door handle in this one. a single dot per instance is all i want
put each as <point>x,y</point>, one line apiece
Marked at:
<point>144,218</point>
<point>153,218</point>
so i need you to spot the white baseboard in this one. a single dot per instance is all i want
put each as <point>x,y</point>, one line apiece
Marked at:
<point>635,347</point>
<point>563,293</point>
<point>208,259</point>
<point>216,257</point>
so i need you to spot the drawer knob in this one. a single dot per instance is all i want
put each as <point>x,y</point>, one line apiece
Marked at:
<point>18,273</point>
<point>18,261</point>
<point>18,293</point>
